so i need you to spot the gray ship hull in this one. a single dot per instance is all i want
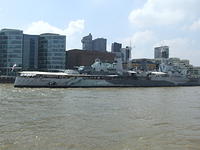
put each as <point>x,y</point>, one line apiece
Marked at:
<point>76,82</point>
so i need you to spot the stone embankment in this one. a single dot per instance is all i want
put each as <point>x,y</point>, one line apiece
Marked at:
<point>7,79</point>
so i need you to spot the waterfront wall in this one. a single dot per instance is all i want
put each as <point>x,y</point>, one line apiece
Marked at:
<point>7,79</point>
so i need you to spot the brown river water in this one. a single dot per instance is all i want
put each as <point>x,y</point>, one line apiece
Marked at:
<point>99,119</point>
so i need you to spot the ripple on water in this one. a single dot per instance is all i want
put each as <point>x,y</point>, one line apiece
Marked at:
<point>99,119</point>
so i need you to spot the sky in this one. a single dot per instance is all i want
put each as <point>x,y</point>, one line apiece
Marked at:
<point>143,24</point>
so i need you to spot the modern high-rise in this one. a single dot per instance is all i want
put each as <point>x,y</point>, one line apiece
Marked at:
<point>11,46</point>
<point>30,52</point>
<point>161,52</point>
<point>51,52</point>
<point>99,44</point>
<point>126,54</point>
<point>87,42</point>
<point>116,47</point>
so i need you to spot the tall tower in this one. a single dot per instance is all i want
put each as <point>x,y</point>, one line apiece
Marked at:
<point>87,42</point>
<point>99,44</point>
<point>116,47</point>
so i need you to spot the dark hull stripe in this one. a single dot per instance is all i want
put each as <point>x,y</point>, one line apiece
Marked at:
<point>30,86</point>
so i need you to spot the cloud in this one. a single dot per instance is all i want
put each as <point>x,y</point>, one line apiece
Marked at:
<point>72,31</point>
<point>168,12</point>
<point>142,43</point>
<point>172,22</point>
<point>184,48</point>
<point>40,27</point>
<point>143,37</point>
<point>195,25</point>
<point>75,26</point>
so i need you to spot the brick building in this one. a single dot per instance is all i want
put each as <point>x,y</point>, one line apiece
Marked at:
<point>76,57</point>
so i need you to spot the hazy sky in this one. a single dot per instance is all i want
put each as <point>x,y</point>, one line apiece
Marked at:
<point>143,23</point>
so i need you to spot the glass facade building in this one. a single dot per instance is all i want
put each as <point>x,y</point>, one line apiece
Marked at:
<point>116,47</point>
<point>51,54</point>
<point>30,52</point>
<point>161,52</point>
<point>11,45</point>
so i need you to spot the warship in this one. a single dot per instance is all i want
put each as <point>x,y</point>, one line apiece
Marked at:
<point>164,77</point>
<point>64,80</point>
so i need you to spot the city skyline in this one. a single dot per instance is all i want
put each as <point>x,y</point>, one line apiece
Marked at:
<point>143,23</point>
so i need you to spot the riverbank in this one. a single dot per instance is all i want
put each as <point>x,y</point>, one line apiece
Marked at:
<point>7,79</point>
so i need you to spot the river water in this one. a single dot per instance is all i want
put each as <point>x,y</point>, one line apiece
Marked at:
<point>100,119</point>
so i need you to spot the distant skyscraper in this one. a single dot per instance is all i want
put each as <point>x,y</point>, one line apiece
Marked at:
<point>161,52</point>
<point>11,45</point>
<point>30,52</point>
<point>116,47</point>
<point>52,52</point>
<point>126,54</point>
<point>87,42</point>
<point>99,44</point>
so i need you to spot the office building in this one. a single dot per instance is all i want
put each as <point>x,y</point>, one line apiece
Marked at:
<point>87,42</point>
<point>161,52</point>
<point>11,45</point>
<point>116,47</point>
<point>99,44</point>
<point>51,52</point>
<point>126,54</point>
<point>30,52</point>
